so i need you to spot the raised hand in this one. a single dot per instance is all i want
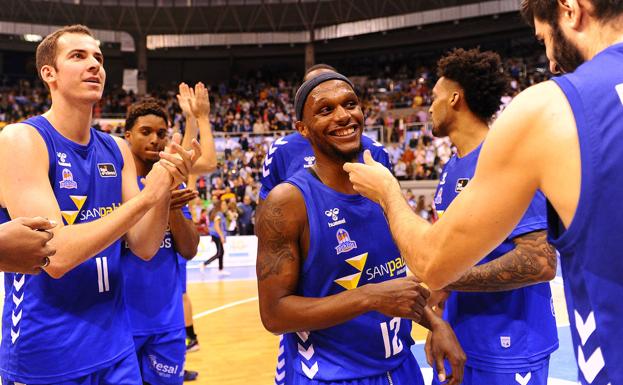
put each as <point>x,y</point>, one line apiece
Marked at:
<point>183,98</point>
<point>200,101</point>
<point>24,245</point>
<point>402,297</point>
<point>179,198</point>
<point>179,161</point>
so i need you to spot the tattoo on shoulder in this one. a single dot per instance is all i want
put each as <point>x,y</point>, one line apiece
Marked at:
<point>274,249</point>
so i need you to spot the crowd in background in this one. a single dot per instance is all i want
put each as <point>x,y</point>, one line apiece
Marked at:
<point>394,96</point>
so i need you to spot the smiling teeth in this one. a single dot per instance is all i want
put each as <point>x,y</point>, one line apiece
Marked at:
<point>344,132</point>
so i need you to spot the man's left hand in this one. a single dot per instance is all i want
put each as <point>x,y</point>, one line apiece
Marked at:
<point>441,344</point>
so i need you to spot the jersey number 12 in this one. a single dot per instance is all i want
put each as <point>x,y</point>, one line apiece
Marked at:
<point>396,345</point>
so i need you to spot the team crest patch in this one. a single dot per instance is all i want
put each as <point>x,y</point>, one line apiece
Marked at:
<point>344,243</point>
<point>68,180</point>
<point>505,341</point>
<point>461,183</point>
<point>107,170</point>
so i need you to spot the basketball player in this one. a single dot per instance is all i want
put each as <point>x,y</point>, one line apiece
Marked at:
<point>70,325</point>
<point>153,289</point>
<point>24,246</point>
<point>346,307</point>
<point>560,137</point>
<point>500,291</point>
<point>293,152</point>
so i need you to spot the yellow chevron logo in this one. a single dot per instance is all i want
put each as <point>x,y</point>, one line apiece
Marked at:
<point>349,282</point>
<point>358,262</point>
<point>71,215</point>
<point>78,200</point>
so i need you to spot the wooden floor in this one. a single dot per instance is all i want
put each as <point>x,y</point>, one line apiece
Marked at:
<point>235,348</point>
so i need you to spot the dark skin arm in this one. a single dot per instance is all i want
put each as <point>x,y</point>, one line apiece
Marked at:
<point>533,260</point>
<point>441,343</point>
<point>283,240</point>
<point>183,231</point>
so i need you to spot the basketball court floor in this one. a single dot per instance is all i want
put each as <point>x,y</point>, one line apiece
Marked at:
<point>235,349</point>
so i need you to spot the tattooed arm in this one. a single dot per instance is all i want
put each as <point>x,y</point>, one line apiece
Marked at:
<point>283,241</point>
<point>533,260</point>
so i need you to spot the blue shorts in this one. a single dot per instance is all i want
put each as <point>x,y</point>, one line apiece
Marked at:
<point>124,372</point>
<point>476,376</point>
<point>161,357</point>
<point>408,373</point>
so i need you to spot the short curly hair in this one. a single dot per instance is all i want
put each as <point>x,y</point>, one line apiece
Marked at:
<point>481,76</point>
<point>147,106</point>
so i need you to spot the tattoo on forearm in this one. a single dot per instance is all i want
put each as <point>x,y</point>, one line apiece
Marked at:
<point>529,262</point>
<point>274,249</point>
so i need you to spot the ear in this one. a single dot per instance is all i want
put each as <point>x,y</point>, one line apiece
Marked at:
<point>455,99</point>
<point>301,128</point>
<point>127,135</point>
<point>571,12</point>
<point>48,74</point>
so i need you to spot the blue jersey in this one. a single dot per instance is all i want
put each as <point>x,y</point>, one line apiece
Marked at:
<point>519,325</point>
<point>590,249</point>
<point>349,246</point>
<point>58,329</point>
<point>289,154</point>
<point>153,290</point>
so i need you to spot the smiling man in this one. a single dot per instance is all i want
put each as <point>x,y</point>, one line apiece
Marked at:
<point>562,137</point>
<point>329,274</point>
<point>69,325</point>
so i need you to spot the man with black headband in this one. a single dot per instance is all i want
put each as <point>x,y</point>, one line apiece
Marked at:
<point>329,274</point>
<point>293,152</point>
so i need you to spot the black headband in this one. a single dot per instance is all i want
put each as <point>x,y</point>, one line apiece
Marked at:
<point>303,92</point>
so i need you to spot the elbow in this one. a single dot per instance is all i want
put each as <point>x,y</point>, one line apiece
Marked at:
<point>272,326</point>
<point>549,272</point>
<point>145,252</point>
<point>55,271</point>
<point>189,253</point>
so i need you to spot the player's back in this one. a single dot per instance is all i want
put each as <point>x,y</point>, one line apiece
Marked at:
<point>291,153</point>
<point>349,246</point>
<point>591,256</point>
<point>57,329</point>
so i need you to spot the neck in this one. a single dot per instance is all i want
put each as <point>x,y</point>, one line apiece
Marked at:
<point>332,174</point>
<point>142,167</point>
<point>468,134</point>
<point>602,35</point>
<point>72,120</point>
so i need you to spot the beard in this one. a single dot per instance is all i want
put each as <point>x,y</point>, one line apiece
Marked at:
<point>335,153</point>
<point>566,54</point>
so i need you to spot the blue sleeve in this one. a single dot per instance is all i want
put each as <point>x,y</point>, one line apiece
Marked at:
<point>535,218</point>
<point>270,171</point>
<point>186,212</point>
<point>379,153</point>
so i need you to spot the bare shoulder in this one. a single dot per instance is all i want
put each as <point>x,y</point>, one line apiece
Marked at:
<point>283,211</point>
<point>21,134</point>
<point>123,145</point>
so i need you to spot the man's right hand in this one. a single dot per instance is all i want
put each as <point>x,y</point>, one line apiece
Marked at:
<point>24,245</point>
<point>402,297</point>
